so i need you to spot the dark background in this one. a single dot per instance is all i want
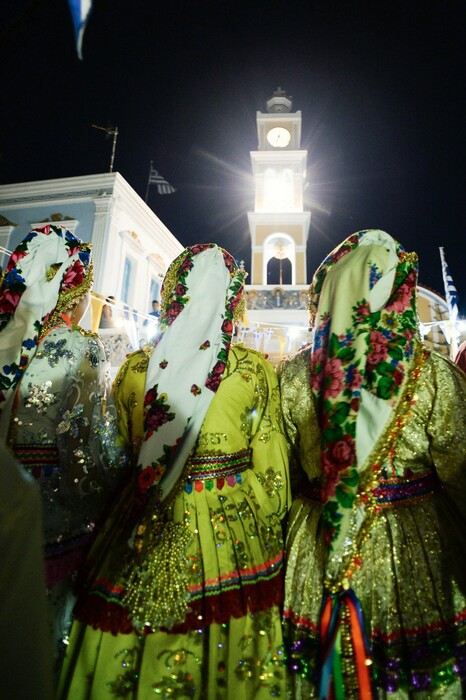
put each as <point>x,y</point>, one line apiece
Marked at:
<point>380,85</point>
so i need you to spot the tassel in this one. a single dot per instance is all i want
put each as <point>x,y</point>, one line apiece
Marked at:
<point>341,620</point>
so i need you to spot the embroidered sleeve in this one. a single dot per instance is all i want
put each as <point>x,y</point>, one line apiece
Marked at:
<point>128,393</point>
<point>300,419</point>
<point>268,443</point>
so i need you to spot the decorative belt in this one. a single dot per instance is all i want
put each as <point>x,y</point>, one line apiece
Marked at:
<point>208,468</point>
<point>37,459</point>
<point>413,488</point>
<point>389,492</point>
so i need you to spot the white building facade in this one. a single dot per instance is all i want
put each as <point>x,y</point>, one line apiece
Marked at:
<point>131,247</point>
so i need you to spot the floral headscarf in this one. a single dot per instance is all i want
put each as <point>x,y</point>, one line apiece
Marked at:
<point>47,274</point>
<point>201,293</point>
<point>364,299</point>
<point>363,360</point>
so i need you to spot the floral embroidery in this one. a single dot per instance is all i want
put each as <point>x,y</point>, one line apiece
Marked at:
<point>163,364</point>
<point>272,481</point>
<point>42,437</point>
<point>93,354</point>
<point>15,371</point>
<point>179,681</point>
<point>10,294</point>
<point>54,351</point>
<point>40,397</point>
<point>205,345</point>
<point>156,410</point>
<point>13,285</point>
<point>146,478</point>
<point>215,376</point>
<point>73,277</point>
<point>174,294</point>
<point>84,458</point>
<point>195,390</point>
<point>375,352</point>
<point>72,421</point>
<point>374,276</point>
<point>127,681</point>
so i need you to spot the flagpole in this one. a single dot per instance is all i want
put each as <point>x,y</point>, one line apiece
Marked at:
<point>148,181</point>
<point>115,136</point>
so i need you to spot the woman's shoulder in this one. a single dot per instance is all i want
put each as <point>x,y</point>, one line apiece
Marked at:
<point>136,364</point>
<point>74,335</point>
<point>241,350</point>
<point>444,367</point>
<point>241,355</point>
<point>138,360</point>
<point>296,364</point>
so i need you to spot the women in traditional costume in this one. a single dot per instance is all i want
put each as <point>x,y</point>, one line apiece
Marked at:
<point>53,384</point>
<point>185,582</point>
<point>375,592</point>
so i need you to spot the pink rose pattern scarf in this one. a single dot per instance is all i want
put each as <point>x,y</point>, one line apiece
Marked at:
<point>364,299</point>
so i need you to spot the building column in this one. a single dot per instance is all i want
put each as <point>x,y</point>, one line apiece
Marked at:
<point>103,210</point>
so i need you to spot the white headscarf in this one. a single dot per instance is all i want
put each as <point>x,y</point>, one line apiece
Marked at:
<point>47,273</point>
<point>201,291</point>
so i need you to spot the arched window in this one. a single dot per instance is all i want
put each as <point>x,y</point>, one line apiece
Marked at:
<point>279,271</point>
<point>279,259</point>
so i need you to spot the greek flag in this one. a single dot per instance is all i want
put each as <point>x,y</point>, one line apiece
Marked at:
<point>451,295</point>
<point>80,11</point>
<point>163,187</point>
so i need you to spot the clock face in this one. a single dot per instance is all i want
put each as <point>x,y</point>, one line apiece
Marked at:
<point>278,137</point>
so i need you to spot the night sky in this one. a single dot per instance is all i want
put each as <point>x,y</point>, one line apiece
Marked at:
<point>381,86</point>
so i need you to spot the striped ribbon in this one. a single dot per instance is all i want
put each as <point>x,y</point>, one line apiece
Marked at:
<point>342,614</point>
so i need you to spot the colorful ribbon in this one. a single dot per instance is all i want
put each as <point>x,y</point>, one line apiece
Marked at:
<point>342,624</point>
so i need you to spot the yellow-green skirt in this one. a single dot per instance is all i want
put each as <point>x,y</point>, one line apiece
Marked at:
<point>238,660</point>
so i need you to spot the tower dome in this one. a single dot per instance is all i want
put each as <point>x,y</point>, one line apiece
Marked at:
<point>279,102</point>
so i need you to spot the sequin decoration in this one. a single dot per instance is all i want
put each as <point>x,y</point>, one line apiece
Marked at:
<point>157,588</point>
<point>40,397</point>
<point>72,421</point>
<point>179,682</point>
<point>92,353</point>
<point>53,351</point>
<point>127,681</point>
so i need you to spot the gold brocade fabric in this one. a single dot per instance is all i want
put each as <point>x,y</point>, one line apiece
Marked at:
<point>412,578</point>
<point>300,418</point>
<point>232,499</point>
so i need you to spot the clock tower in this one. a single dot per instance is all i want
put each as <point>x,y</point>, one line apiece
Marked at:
<point>278,225</point>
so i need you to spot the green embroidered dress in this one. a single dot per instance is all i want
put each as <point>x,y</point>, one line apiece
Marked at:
<point>234,493</point>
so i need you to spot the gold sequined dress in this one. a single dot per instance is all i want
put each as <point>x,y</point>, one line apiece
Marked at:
<point>412,576</point>
<point>234,495</point>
